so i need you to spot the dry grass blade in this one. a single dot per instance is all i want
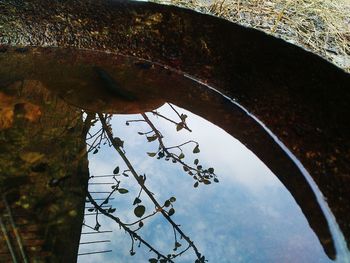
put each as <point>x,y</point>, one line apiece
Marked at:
<point>321,26</point>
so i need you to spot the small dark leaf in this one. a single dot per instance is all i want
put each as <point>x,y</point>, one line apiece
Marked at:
<point>196,162</point>
<point>196,149</point>
<point>140,224</point>
<point>140,133</point>
<point>171,211</point>
<point>172,199</point>
<point>206,182</point>
<point>123,190</point>
<point>139,210</point>
<point>142,179</point>
<point>216,180</point>
<point>183,117</point>
<point>116,170</point>
<point>211,170</point>
<point>91,209</point>
<point>177,244</point>
<point>111,210</point>
<point>167,203</point>
<point>97,226</point>
<point>196,184</point>
<point>181,156</point>
<point>118,142</point>
<point>125,174</point>
<point>132,253</point>
<point>161,154</point>
<point>96,151</point>
<point>153,260</point>
<point>151,154</point>
<point>151,138</point>
<point>179,126</point>
<point>137,201</point>
<point>199,167</point>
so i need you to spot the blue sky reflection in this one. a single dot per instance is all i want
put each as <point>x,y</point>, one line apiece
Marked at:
<point>248,217</point>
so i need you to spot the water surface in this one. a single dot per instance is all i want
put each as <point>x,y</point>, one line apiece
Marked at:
<point>248,216</point>
<point>107,158</point>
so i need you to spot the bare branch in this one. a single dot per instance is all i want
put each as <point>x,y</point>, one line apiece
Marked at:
<point>141,183</point>
<point>132,234</point>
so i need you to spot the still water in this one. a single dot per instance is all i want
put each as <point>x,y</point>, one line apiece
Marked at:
<point>248,216</point>
<point>106,158</point>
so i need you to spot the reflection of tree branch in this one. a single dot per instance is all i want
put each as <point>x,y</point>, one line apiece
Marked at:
<point>182,144</point>
<point>142,219</point>
<point>88,226</point>
<point>183,251</point>
<point>133,235</point>
<point>140,181</point>
<point>110,194</point>
<point>127,123</point>
<point>184,125</point>
<point>93,135</point>
<point>182,117</point>
<point>161,143</point>
<point>125,228</point>
<point>197,173</point>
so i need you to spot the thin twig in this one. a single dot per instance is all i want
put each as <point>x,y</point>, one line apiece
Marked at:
<point>145,189</point>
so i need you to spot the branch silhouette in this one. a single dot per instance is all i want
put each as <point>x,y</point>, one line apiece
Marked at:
<point>141,181</point>
<point>105,135</point>
<point>197,172</point>
<point>107,213</point>
<point>132,233</point>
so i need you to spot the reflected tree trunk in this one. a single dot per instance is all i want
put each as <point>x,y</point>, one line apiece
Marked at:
<point>43,172</point>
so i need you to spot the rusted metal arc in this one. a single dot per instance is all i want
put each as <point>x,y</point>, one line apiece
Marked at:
<point>241,62</point>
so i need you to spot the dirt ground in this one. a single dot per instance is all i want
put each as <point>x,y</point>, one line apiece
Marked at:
<point>320,26</point>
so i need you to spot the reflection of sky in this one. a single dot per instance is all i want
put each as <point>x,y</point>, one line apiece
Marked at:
<point>248,217</point>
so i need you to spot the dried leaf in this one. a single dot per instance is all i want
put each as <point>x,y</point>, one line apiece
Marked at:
<point>123,191</point>
<point>32,112</point>
<point>31,157</point>
<point>152,138</point>
<point>171,211</point>
<point>137,201</point>
<point>116,170</point>
<point>139,211</point>
<point>151,154</point>
<point>196,149</point>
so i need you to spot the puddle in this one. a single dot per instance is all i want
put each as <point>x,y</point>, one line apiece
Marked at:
<point>105,158</point>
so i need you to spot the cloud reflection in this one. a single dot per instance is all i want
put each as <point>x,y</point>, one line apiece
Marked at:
<point>248,217</point>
